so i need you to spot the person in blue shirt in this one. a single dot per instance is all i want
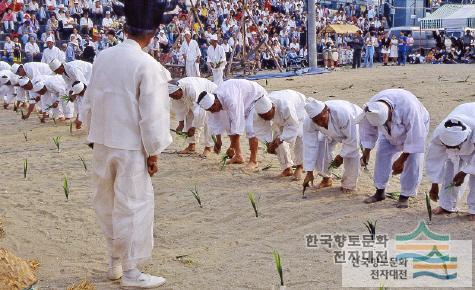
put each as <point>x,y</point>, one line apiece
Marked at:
<point>402,49</point>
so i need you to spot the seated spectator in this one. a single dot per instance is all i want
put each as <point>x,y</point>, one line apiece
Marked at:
<point>17,51</point>
<point>53,26</point>
<point>8,48</point>
<point>32,50</point>
<point>8,21</point>
<point>97,13</point>
<point>69,23</point>
<point>25,31</point>
<point>76,11</point>
<point>107,21</point>
<point>86,23</point>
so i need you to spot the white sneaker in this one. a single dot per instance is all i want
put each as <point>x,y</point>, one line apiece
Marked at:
<point>115,272</point>
<point>143,281</point>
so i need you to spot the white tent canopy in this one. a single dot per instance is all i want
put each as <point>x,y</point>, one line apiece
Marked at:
<point>449,16</point>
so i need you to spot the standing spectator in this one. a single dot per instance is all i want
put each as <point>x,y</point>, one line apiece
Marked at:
<point>357,45</point>
<point>385,51</point>
<point>370,42</point>
<point>32,50</point>
<point>393,48</point>
<point>51,52</point>
<point>402,49</point>
<point>410,43</point>
<point>8,21</point>
<point>216,59</point>
<point>191,54</point>
<point>467,40</point>
<point>86,23</point>
<point>25,31</point>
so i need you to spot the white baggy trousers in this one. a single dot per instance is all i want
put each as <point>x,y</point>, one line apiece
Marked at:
<point>124,203</point>
<point>450,195</point>
<point>411,175</point>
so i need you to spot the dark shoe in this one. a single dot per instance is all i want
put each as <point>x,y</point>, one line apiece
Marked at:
<point>378,196</point>
<point>403,202</point>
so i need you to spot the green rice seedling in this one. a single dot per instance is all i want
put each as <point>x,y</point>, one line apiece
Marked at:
<point>54,121</point>
<point>214,139</point>
<point>381,286</point>
<point>57,142</point>
<point>371,226</point>
<point>196,195</point>
<point>254,203</point>
<point>181,134</point>
<point>25,136</point>
<point>66,98</point>
<point>278,266</point>
<point>22,114</point>
<point>393,195</point>
<point>66,187</point>
<point>71,128</point>
<point>429,207</point>
<point>224,161</point>
<point>83,163</point>
<point>332,167</point>
<point>25,168</point>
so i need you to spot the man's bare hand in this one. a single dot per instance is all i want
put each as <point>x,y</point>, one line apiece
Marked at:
<point>152,165</point>
<point>191,132</point>
<point>180,127</point>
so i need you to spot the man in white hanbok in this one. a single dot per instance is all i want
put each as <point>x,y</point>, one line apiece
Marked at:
<point>74,71</point>
<point>190,116</point>
<point>52,90</point>
<point>128,137</point>
<point>216,59</point>
<point>278,122</point>
<point>192,54</point>
<point>33,71</point>
<point>8,90</point>
<point>450,158</point>
<point>329,123</point>
<point>237,98</point>
<point>399,123</point>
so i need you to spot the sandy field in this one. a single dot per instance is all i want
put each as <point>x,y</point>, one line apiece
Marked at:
<point>223,244</point>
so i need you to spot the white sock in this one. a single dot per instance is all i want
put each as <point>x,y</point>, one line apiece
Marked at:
<point>132,274</point>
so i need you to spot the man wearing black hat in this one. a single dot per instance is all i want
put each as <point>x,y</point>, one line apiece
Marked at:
<point>128,137</point>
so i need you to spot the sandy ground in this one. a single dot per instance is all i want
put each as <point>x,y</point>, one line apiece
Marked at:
<point>226,246</point>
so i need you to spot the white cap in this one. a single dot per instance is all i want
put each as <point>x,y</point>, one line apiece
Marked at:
<point>263,105</point>
<point>49,39</point>
<point>61,6</point>
<point>172,88</point>
<point>23,81</point>
<point>38,86</point>
<point>376,113</point>
<point>77,88</point>
<point>213,37</point>
<point>75,42</point>
<point>314,107</point>
<point>454,132</point>
<point>108,12</point>
<point>207,101</point>
<point>187,32</point>
<point>15,68</point>
<point>54,64</point>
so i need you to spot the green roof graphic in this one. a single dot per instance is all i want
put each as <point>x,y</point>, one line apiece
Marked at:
<point>422,229</point>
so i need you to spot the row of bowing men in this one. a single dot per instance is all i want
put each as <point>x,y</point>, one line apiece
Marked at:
<point>309,137</point>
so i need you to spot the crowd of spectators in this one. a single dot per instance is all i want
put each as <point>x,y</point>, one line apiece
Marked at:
<point>275,33</point>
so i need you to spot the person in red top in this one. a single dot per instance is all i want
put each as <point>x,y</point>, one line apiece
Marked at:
<point>7,19</point>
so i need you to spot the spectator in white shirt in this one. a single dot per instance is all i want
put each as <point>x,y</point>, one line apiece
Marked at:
<point>52,52</point>
<point>86,23</point>
<point>32,50</point>
<point>8,50</point>
<point>107,21</point>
